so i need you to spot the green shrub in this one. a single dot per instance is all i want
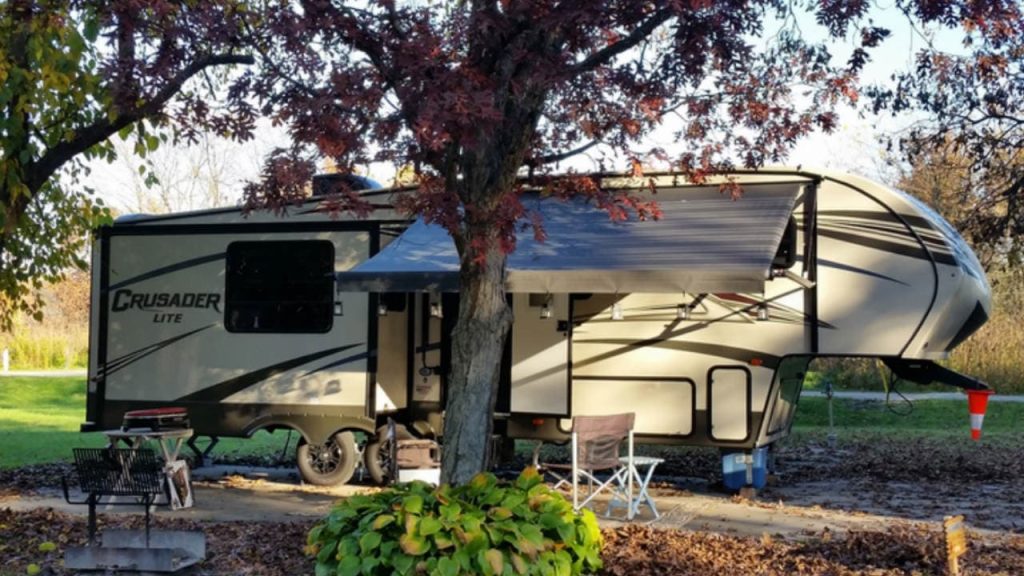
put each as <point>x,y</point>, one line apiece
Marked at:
<point>482,527</point>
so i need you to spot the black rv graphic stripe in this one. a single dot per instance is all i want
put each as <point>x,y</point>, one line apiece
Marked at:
<point>854,269</point>
<point>933,239</point>
<point>886,246</point>
<point>168,269</point>
<point>744,355</point>
<point>922,227</point>
<point>136,355</point>
<point>220,391</point>
<point>912,219</point>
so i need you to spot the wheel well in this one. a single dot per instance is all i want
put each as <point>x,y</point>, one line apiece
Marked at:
<point>314,430</point>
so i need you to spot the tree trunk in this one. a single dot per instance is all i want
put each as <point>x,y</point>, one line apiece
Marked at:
<point>478,343</point>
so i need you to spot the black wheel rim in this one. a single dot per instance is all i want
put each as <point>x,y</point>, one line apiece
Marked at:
<point>325,458</point>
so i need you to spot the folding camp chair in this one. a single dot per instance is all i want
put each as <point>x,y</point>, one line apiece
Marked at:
<point>596,446</point>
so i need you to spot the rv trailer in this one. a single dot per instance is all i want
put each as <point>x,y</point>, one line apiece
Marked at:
<point>703,323</point>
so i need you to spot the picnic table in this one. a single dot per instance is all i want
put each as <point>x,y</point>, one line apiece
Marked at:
<point>169,442</point>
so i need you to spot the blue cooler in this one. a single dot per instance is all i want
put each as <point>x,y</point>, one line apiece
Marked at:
<point>735,469</point>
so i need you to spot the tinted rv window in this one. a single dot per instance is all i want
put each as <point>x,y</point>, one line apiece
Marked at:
<point>281,286</point>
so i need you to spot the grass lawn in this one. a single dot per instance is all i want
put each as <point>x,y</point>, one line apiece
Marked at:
<point>40,418</point>
<point>948,417</point>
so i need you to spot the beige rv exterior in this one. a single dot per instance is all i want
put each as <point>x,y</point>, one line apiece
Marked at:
<point>702,323</point>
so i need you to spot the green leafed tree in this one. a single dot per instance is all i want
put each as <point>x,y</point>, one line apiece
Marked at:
<point>74,73</point>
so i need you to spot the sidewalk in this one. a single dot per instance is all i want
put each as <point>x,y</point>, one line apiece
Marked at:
<point>912,396</point>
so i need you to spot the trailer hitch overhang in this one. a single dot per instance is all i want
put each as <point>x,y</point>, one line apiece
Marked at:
<point>927,372</point>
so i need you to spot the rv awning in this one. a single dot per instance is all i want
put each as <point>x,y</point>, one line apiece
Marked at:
<point>704,242</point>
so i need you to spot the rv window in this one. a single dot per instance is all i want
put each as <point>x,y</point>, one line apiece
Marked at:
<point>785,256</point>
<point>279,286</point>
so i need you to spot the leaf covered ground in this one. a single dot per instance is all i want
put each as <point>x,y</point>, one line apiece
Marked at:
<point>898,479</point>
<point>275,548</point>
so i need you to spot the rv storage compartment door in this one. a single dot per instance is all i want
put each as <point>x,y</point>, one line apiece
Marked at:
<point>729,403</point>
<point>540,354</point>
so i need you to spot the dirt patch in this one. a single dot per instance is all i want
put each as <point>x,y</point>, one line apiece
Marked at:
<point>903,550</point>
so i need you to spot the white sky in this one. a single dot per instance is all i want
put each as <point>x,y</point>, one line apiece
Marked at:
<point>855,146</point>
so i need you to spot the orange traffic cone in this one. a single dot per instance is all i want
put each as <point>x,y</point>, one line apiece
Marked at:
<point>977,402</point>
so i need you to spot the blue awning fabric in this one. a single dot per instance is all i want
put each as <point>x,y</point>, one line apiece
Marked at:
<point>704,242</point>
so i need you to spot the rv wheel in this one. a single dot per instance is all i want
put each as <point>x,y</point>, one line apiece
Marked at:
<point>328,464</point>
<point>377,454</point>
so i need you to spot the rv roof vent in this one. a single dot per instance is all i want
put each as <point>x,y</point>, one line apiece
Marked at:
<point>131,217</point>
<point>324,184</point>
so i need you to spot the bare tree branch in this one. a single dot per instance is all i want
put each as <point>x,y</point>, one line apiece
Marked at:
<point>605,54</point>
<point>559,156</point>
<point>102,129</point>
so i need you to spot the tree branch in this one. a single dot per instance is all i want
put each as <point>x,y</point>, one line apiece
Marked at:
<point>371,45</point>
<point>558,157</point>
<point>102,129</point>
<point>638,34</point>
<point>268,61</point>
<point>393,19</point>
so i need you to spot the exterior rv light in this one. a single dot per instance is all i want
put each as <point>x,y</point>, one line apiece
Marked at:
<point>435,309</point>
<point>545,311</point>
<point>339,309</point>
<point>682,312</point>
<point>382,309</point>
<point>762,312</point>
<point>617,311</point>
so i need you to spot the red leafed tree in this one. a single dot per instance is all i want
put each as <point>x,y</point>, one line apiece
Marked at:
<point>476,93</point>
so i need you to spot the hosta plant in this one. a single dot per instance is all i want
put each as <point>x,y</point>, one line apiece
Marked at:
<point>483,527</point>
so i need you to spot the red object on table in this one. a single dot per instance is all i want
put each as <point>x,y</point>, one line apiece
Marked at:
<point>167,418</point>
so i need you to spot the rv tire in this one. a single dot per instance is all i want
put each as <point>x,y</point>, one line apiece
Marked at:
<point>328,464</point>
<point>377,454</point>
